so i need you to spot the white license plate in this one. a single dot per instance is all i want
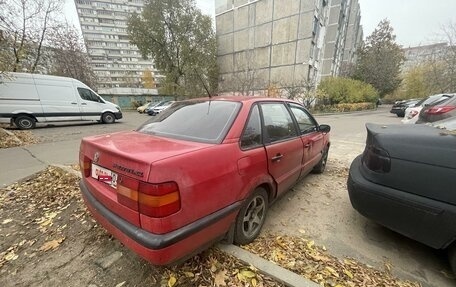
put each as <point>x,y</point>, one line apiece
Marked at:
<point>104,175</point>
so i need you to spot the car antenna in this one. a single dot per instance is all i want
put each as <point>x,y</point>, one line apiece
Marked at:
<point>204,85</point>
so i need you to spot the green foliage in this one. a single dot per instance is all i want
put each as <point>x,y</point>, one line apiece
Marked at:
<point>182,43</point>
<point>344,107</point>
<point>345,90</point>
<point>421,81</point>
<point>380,60</point>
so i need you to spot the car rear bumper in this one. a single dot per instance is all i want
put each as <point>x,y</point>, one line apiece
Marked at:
<point>163,249</point>
<point>425,220</point>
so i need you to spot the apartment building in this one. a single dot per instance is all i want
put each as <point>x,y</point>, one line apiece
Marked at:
<point>418,55</point>
<point>116,62</point>
<point>264,43</point>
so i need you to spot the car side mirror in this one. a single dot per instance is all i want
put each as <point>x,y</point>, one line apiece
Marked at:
<point>324,128</point>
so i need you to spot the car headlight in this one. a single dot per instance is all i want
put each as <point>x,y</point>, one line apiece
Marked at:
<point>118,108</point>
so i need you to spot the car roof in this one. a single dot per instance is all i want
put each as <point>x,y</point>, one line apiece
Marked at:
<point>244,99</point>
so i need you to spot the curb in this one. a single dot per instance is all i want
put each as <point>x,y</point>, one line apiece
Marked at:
<point>267,267</point>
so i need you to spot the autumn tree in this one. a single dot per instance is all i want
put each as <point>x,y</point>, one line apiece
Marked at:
<point>181,41</point>
<point>380,59</point>
<point>25,26</point>
<point>148,81</point>
<point>69,56</point>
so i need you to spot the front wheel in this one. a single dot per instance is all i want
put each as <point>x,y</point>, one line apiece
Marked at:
<point>251,217</point>
<point>108,118</point>
<point>25,122</point>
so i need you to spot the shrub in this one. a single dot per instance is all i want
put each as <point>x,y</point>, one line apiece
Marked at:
<point>344,90</point>
<point>344,107</point>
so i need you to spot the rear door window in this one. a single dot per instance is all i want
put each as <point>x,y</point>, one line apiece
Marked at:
<point>278,123</point>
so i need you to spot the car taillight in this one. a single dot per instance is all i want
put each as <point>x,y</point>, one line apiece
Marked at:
<point>158,200</point>
<point>84,165</point>
<point>440,110</point>
<point>154,200</point>
<point>412,114</point>
<point>376,159</point>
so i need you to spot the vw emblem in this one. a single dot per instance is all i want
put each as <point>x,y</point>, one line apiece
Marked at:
<point>96,157</point>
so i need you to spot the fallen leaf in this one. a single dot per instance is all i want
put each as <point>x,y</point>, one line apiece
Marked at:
<point>121,284</point>
<point>332,271</point>
<point>348,273</point>
<point>171,281</point>
<point>6,221</point>
<point>220,277</point>
<point>11,256</point>
<point>189,274</point>
<point>53,244</point>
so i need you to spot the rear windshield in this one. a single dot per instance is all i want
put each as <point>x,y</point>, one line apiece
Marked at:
<point>201,121</point>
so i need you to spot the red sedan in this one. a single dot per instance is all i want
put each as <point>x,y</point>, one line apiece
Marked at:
<point>201,171</point>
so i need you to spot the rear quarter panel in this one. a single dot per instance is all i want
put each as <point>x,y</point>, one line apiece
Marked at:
<point>208,180</point>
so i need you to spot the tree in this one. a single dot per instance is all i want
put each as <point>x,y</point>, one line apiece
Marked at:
<point>301,90</point>
<point>380,59</point>
<point>70,58</point>
<point>148,81</point>
<point>26,25</point>
<point>181,41</point>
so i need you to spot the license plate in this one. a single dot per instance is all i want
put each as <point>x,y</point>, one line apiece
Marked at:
<point>104,175</point>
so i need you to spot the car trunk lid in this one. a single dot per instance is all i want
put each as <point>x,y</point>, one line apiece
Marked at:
<point>120,164</point>
<point>421,160</point>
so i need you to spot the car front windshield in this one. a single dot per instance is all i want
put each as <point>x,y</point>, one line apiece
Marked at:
<point>202,121</point>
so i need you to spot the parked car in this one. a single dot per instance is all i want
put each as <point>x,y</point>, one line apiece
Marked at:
<point>442,109</point>
<point>155,104</point>
<point>200,171</point>
<point>141,109</point>
<point>26,99</point>
<point>412,113</point>
<point>399,107</point>
<point>159,108</point>
<point>405,180</point>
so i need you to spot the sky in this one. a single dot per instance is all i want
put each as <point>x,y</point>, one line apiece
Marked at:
<point>415,22</point>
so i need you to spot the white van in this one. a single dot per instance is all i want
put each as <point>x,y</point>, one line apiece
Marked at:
<point>29,98</point>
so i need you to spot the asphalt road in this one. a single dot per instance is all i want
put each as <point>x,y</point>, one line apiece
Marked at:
<point>331,219</point>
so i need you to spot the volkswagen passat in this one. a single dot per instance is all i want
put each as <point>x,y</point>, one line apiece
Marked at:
<point>200,171</point>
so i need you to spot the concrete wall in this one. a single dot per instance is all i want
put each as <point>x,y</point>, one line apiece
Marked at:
<point>283,41</point>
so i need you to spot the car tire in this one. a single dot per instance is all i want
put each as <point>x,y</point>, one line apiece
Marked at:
<point>452,257</point>
<point>108,118</point>
<point>321,165</point>
<point>24,122</point>
<point>251,217</point>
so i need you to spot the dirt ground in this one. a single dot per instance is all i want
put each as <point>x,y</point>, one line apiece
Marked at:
<point>49,239</point>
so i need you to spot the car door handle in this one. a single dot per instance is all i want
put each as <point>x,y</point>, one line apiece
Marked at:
<point>73,103</point>
<point>307,145</point>
<point>83,104</point>
<point>277,157</point>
